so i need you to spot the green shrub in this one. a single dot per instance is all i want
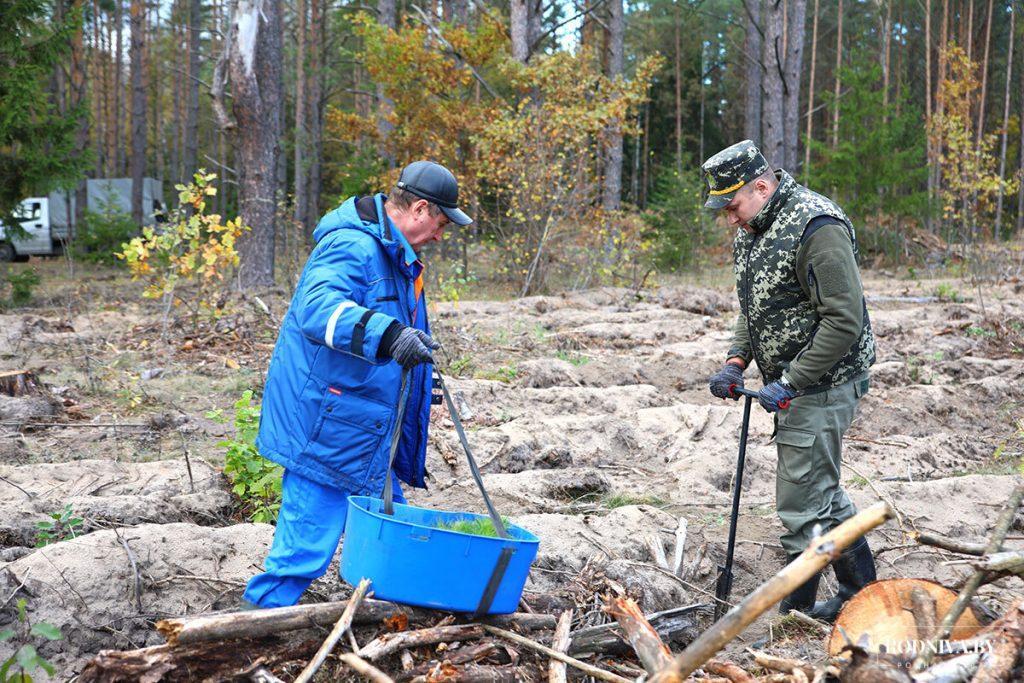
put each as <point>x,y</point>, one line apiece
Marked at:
<point>20,285</point>
<point>683,230</point>
<point>100,235</point>
<point>25,659</point>
<point>61,526</point>
<point>254,479</point>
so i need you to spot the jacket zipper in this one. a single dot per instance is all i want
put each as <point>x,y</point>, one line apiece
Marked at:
<point>746,297</point>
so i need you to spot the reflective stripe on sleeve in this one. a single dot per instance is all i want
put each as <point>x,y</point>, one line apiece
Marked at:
<point>333,321</point>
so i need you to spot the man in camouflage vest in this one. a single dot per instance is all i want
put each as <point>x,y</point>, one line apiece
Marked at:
<point>804,321</point>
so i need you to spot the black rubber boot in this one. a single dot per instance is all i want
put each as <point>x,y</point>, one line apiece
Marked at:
<point>802,599</point>
<point>855,568</point>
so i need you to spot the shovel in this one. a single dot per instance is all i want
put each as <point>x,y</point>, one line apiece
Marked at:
<point>724,585</point>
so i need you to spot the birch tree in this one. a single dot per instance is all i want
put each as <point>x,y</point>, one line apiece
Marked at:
<point>252,60</point>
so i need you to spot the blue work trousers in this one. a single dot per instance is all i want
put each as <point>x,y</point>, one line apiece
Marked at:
<point>309,526</point>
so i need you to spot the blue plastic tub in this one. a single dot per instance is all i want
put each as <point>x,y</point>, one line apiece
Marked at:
<point>410,560</point>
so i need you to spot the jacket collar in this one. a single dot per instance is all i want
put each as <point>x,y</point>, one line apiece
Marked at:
<point>770,211</point>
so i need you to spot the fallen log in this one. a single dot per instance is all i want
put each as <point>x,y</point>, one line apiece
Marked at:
<point>201,661</point>
<point>264,622</point>
<point>588,669</point>
<point>471,654</point>
<point>391,643</point>
<point>479,673</point>
<point>677,626</point>
<point>560,643</point>
<point>19,383</point>
<point>995,543</point>
<point>652,653</point>
<point>820,552</point>
<point>1005,640</point>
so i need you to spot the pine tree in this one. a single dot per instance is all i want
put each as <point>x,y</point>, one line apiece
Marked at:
<point>37,143</point>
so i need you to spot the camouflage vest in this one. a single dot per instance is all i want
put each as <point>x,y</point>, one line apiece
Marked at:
<point>781,318</point>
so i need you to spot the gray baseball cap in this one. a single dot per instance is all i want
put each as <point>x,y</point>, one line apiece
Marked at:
<point>435,183</point>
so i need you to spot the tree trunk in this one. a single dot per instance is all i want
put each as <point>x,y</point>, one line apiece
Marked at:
<point>929,142</point>
<point>886,67</point>
<point>794,56</point>
<point>810,96</point>
<point>970,30</point>
<point>387,15</point>
<point>256,88</point>
<point>118,90</point>
<point>192,88</point>
<point>612,193</point>
<point>838,75</point>
<point>536,15</point>
<point>159,134</point>
<point>519,27</point>
<point>177,95</point>
<point>1006,125</point>
<point>79,65</point>
<point>1020,187</point>
<point>300,114</point>
<point>940,105</point>
<point>138,160</point>
<point>754,70</point>
<point>96,62</point>
<point>460,12</point>
<point>109,153</point>
<point>646,181</point>
<point>773,112</point>
<point>984,80</point>
<point>678,83</point>
<point>315,112</point>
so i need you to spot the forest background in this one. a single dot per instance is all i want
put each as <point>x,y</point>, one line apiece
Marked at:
<point>576,128</point>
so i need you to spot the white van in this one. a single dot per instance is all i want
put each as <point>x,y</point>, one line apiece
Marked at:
<point>49,221</point>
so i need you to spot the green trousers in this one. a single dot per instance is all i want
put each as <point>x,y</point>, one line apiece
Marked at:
<point>809,440</point>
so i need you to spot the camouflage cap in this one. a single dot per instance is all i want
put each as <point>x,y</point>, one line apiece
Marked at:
<point>731,169</point>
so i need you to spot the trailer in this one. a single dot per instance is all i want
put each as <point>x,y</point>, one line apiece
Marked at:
<point>49,222</point>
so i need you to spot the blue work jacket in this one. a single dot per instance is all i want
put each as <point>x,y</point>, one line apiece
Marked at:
<point>329,403</point>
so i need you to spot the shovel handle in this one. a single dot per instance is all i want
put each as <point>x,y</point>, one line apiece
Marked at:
<point>736,391</point>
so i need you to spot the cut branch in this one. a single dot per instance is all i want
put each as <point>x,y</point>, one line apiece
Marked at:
<point>821,551</point>
<point>343,624</point>
<point>652,653</point>
<point>560,643</point>
<point>391,643</point>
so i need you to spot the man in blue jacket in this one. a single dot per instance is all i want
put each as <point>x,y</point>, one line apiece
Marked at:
<point>358,318</point>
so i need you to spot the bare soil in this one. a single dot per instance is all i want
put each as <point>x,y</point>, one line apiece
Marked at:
<point>588,412</point>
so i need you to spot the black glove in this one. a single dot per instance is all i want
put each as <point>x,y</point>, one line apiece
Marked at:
<point>730,374</point>
<point>771,395</point>
<point>412,347</point>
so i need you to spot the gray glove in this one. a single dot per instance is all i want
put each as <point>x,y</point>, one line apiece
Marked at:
<point>413,347</point>
<point>720,382</point>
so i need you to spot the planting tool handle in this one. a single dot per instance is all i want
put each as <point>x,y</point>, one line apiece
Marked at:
<point>499,525</point>
<point>396,434</point>
<point>736,391</point>
<point>724,584</point>
<point>498,573</point>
